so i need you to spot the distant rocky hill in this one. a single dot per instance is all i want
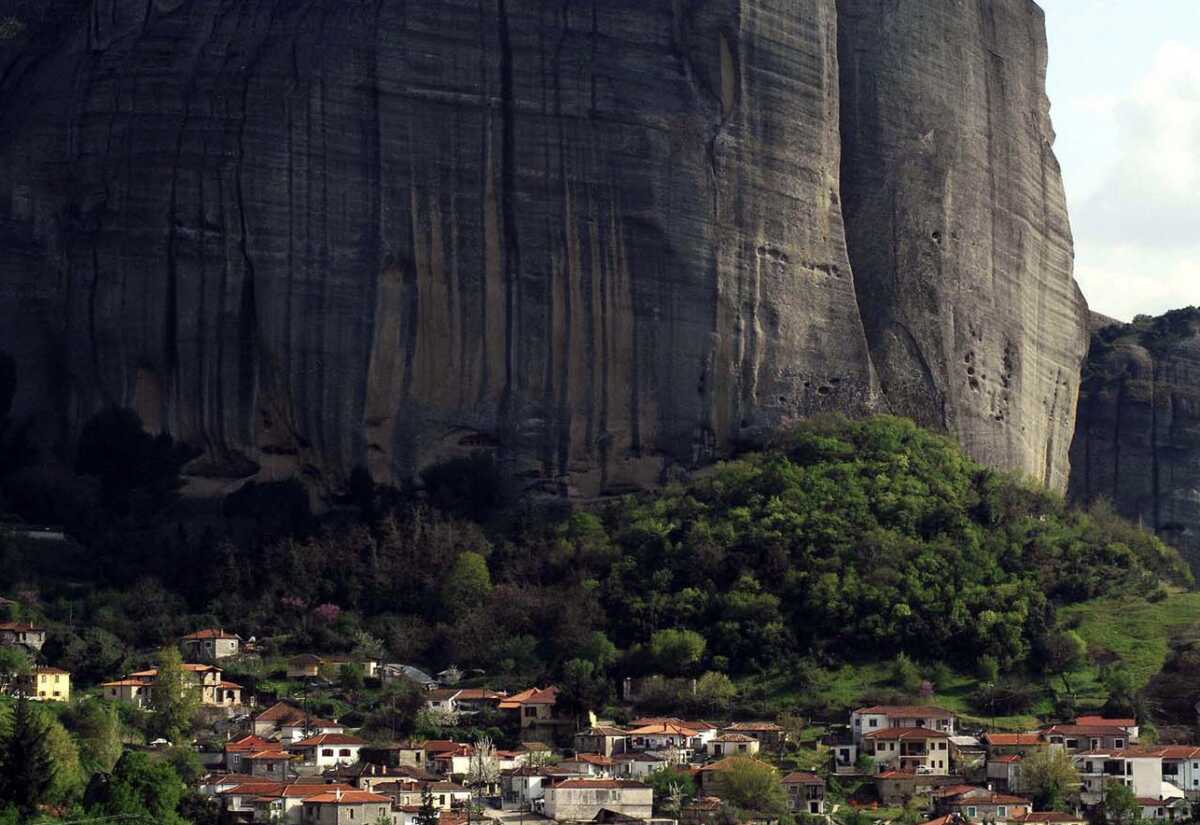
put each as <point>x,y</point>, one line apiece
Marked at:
<point>1137,441</point>
<point>603,239</point>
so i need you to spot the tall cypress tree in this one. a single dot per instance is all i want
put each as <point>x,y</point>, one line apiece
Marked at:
<point>27,770</point>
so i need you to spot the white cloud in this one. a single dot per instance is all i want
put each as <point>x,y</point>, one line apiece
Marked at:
<point>1138,227</point>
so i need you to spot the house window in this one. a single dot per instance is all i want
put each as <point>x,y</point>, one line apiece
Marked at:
<point>1120,743</point>
<point>530,713</point>
<point>874,723</point>
<point>327,752</point>
<point>344,752</point>
<point>1002,811</point>
<point>970,813</point>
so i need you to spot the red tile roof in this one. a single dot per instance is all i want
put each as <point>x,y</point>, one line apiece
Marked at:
<point>1010,739</point>
<point>1105,722</point>
<point>1176,751</point>
<point>212,633</point>
<point>953,790</point>
<point>600,783</point>
<point>479,695</point>
<point>328,739</point>
<point>1049,817</point>
<point>758,727</point>
<point>251,744</point>
<point>1084,730</point>
<point>908,711</point>
<point>280,712</point>
<point>1007,760</point>
<point>276,790</point>
<point>532,696</point>
<point>802,778</point>
<point>347,798</point>
<point>663,729</point>
<point>986,797</point>
<point>591,759</point>
<point>21,627</point>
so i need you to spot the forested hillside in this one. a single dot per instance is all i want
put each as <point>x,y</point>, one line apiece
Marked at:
<point>846,541</point>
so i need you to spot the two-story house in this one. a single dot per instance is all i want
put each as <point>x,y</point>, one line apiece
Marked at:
<point>607,740</point>
<point>274,802</point>
<point>209,645</point>
<point>46,684</point>
<point>1136,769</point>
<point>805,792</point>
<point>1181,768</point>
<point>768,734</point>
<point>879,717</point>
<point>732,744</point>
<point>984,805</point>
<point>663,736</point>
<point>236,749</point>
<point>588,764</point>
<point>1077,738</point>
<point>327,750</point>
<point>579,800</point>
<point>22,634</point>
<point>538,714</point>
<point>340,807</point>
<point>1014,744</point>
<point>212,690</point>
<point>912,750</point>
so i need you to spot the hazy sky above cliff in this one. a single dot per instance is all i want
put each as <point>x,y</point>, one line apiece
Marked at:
<point>1124,85</point>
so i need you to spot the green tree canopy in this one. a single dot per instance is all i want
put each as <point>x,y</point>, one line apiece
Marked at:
<point>676,651</point>
<point>467,584</point>
<point>1050,778</point>
<point>28,771</point>
<point>1120,806</point>
<point>175,698</point>
<point>751,786</point>
<point>138,787</point>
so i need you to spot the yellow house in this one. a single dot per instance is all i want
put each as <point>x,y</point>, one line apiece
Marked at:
<point>48,684</point>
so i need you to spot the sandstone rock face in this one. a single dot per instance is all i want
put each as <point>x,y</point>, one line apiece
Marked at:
<point>601,237</point>
<point>957,226</point>
<point>1137,442</point>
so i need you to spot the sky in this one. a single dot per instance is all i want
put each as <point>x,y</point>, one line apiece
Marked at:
<point>1124,86</point>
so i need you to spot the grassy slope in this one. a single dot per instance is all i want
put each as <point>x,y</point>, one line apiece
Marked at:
<point>1137,631</point>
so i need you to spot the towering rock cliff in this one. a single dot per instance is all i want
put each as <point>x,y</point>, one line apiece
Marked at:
<point>1137,442</point>
<point>957,226</point>
<point>601,238</point>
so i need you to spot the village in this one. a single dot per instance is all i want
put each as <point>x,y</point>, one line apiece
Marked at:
<point>277,759</point>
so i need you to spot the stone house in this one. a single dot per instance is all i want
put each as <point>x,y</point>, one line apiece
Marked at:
<point>209,645</point>
<point>805,792</point>
<point>340,807</point>
<point>583,799</point>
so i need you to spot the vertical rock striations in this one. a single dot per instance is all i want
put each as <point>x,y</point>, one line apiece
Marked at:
<point>601,237</point>
<point>1137,441</point>
<point>957,227</point>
